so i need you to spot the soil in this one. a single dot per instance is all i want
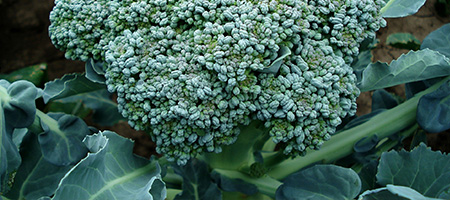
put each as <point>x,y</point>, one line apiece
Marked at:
<point>24,42</point>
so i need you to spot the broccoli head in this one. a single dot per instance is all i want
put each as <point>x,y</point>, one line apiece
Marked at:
<point>191,72</point>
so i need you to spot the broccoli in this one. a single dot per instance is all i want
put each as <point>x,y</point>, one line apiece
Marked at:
<point>192,72</point>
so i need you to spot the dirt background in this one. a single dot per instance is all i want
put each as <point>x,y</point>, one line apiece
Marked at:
<point>24,41</point>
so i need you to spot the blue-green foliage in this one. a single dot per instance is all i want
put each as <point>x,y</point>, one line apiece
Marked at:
<point>40,153</point>
<point>190,72</point>
<point>433,111</point>
<point>67,148</point>
<point>111,171</point>
<point>321,182</point>
<point>197,182</point>
<point>17,110</point>
<point>410,176</point>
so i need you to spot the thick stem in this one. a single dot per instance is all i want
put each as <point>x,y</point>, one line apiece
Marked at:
<point>341,144</point>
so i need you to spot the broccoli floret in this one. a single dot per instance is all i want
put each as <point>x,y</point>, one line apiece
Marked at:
<point>191,72</point>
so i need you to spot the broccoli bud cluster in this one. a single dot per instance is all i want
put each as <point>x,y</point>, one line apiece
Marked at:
<point>191,72</point>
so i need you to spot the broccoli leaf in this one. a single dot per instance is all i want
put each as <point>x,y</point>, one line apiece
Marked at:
<point>9,154</point>
<point>275,66</point>
<point>36,177</point>
<point>379,194</point>
<point>17,110</point>
<point>362,119</point>
<point>414,66</point>
<point>197,182</point>
<point>401,8</point>
<point>233,185</point>
<point>381,99</point>
<point>20,106</point>
<point>445,194</point>
<point>433,110</point>
<point>367,175</point>
<point>111,171</point>
<point>321,182</point>
<point>95,71</point>
<point>415,87</point>
<point>69,85</point>
<point>394,192</point>
<point>419,136</point>
<point>405,192</point>
<point>61,141</point>
<point>18,135</point>
<point>362,61</point>
<point>412,169</point>
<point>76,108</point>
<point>105,111</point>
<point>438,40</point>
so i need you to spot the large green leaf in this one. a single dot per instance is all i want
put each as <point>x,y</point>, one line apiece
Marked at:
<point>401,8</point>
<point>414,66</point>
<point>423,170</point>
<point>438,40</point>
<point>9,154</point>
<point>36,177</point>
<point>111,171</point>
<point>321,182</point>
<point>433,110</point>
<point>62,139</point>
<point>17,110</point>
<point>69,85</point>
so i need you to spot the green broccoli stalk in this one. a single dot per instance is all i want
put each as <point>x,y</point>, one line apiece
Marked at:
<point>341,144</point>
<point>196,74</point>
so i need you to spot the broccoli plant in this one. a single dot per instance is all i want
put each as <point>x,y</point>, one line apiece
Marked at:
<point>240,98</point>
<point>192,72</point>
